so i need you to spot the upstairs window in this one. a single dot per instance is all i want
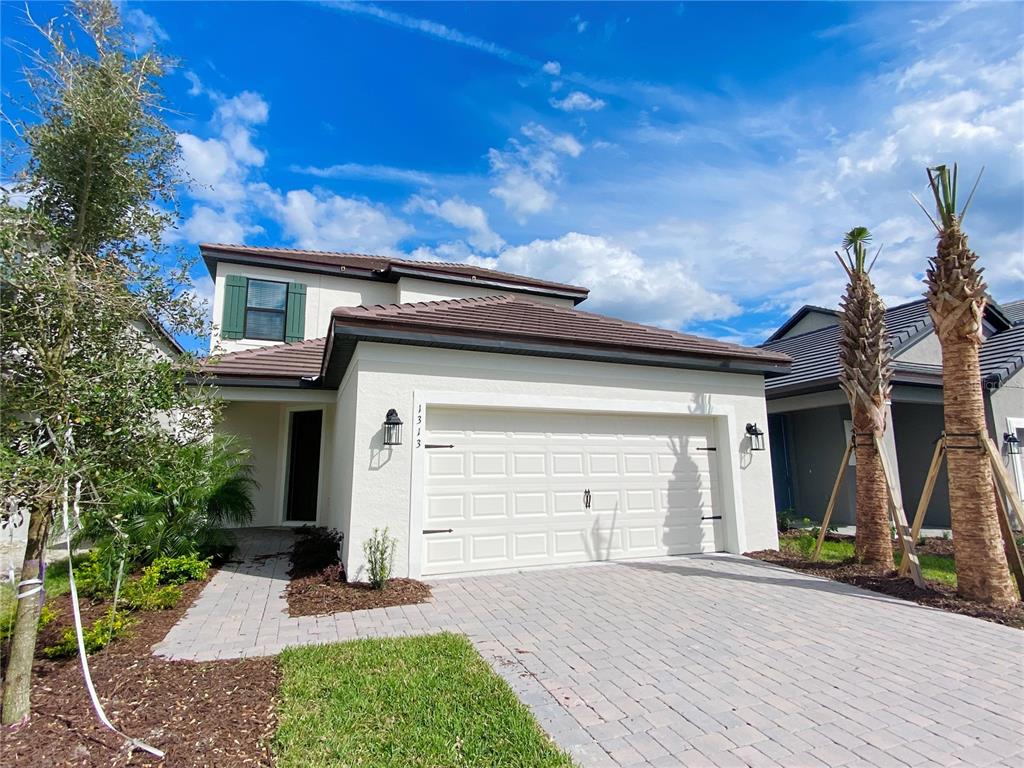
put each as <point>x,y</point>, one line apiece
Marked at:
<point>266,303</point>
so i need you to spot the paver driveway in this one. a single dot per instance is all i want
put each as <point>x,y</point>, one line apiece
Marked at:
<point>708,660</point>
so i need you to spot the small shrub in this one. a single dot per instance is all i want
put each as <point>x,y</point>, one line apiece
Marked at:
<point>147,594</point>
<point>178,570</point>
<point>786,519</point>
<point>106,628</point>
<point>47,615</point>
<point>379,550</point>
<point>314,550</point>
<point>95,576</point>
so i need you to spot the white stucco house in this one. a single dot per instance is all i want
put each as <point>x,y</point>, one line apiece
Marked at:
<point>533,433</point>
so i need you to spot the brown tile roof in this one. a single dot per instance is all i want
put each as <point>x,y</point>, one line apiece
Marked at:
<point>280,361</point>
<point>387,266</point>
<point>520,319</point>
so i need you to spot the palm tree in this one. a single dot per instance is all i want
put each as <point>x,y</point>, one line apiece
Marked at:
<point>956,300</point>
<point>866,378</point>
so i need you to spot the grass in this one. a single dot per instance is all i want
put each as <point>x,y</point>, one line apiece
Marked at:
<point>420,702</point>
<point>939,568</point>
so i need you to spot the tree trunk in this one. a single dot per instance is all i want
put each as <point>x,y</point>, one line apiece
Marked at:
<point>981,569</point>
<point>18,677</point>
<point>874,534</point>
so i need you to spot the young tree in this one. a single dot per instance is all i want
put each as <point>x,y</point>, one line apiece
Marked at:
<point>866,378</point>
<point>86,394</point>
<point>956,302</point>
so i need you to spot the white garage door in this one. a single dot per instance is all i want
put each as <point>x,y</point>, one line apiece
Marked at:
<point>519,488</point>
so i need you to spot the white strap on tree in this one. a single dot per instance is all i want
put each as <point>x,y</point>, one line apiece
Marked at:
<point>81,639</point>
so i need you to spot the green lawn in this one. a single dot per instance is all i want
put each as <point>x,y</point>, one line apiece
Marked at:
<point>933,567</point>
<point>422,701</point>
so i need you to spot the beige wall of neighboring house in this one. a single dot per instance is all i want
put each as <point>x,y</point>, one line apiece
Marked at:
<point>925,350</point>
<point>812,321</point>
<point>1007,415</point>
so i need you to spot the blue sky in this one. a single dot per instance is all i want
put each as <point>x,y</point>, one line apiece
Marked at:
<point>694,164</point>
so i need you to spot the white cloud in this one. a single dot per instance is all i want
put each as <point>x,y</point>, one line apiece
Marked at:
<point>361,171</point>
<point>321,220</point>
<point>207,225</point>
<point>552,68</point>
<point>463,215</point>
<point>144,29</point>
<point>580,23</point>
<point>578,101</point>
<point>525,170</point>
<point>622,283</point>
<point>195,85</point>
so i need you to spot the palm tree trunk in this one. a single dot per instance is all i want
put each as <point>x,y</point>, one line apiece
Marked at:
<point>874,538</point>
<point>982,570</point>
<point>18,676</point>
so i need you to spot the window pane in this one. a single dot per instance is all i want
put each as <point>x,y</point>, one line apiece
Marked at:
<point>260,324</point>
<point>267,295</point>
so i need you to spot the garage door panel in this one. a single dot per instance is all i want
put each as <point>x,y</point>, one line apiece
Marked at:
<point>489,506</point>
<point>446,465</point>
<point>443,509</point>
<point>529,465</point>
<point>512,488</point>
<point>530,504</point>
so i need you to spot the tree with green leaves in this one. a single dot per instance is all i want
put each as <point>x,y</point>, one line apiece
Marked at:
<point>956,301</point>
<point>86,393</point>
<point>866,378</point>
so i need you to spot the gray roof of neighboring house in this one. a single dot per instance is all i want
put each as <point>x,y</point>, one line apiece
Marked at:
<point>1014,311</point>
<point>816,353</point>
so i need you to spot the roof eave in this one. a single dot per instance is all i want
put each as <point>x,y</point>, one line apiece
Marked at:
<point>212,255</point>
<point>335,367</point>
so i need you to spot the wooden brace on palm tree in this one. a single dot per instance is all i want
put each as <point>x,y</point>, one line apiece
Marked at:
<point>1005,494</point>
<point>897,515</point>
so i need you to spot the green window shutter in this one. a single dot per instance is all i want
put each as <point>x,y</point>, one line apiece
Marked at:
<point>232,325</point>
<point>295,320</point>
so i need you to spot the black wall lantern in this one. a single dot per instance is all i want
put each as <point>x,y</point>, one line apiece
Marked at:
<point>1012,444</point>
<point>392,428</point>
<point>756,436</point>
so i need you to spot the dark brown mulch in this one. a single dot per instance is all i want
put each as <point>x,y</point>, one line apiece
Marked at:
<point>935,595</point>
<point>317,595</point>
<point>219,713</point>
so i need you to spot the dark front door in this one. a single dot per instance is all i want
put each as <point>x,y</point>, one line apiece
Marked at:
<point>303,466</point>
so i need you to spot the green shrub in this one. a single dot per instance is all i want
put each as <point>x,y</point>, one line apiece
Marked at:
<point>379,550</point>
<point>96,574</point>
<point>178,570</point>
<point>180,506</point>
<point>47,615</point>
<point>106,628</point>
<point>147,594</point>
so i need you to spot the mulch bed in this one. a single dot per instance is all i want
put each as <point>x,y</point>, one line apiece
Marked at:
<point>936,595</point>
<point>201,714</point>
<point>317,595</point>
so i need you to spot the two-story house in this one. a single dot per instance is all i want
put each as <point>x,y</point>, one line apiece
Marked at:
<point>482,417</point>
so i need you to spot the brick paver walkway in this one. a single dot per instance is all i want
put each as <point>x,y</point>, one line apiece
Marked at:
<point>709,660</point>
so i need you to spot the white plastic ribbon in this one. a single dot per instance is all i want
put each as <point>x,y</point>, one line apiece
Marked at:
<point>81,639</point>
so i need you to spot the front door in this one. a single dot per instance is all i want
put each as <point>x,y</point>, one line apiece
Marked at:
<point>303,466</point>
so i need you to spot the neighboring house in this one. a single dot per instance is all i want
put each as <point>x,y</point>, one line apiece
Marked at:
<point>809,416</point>
<point>533,433</point>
